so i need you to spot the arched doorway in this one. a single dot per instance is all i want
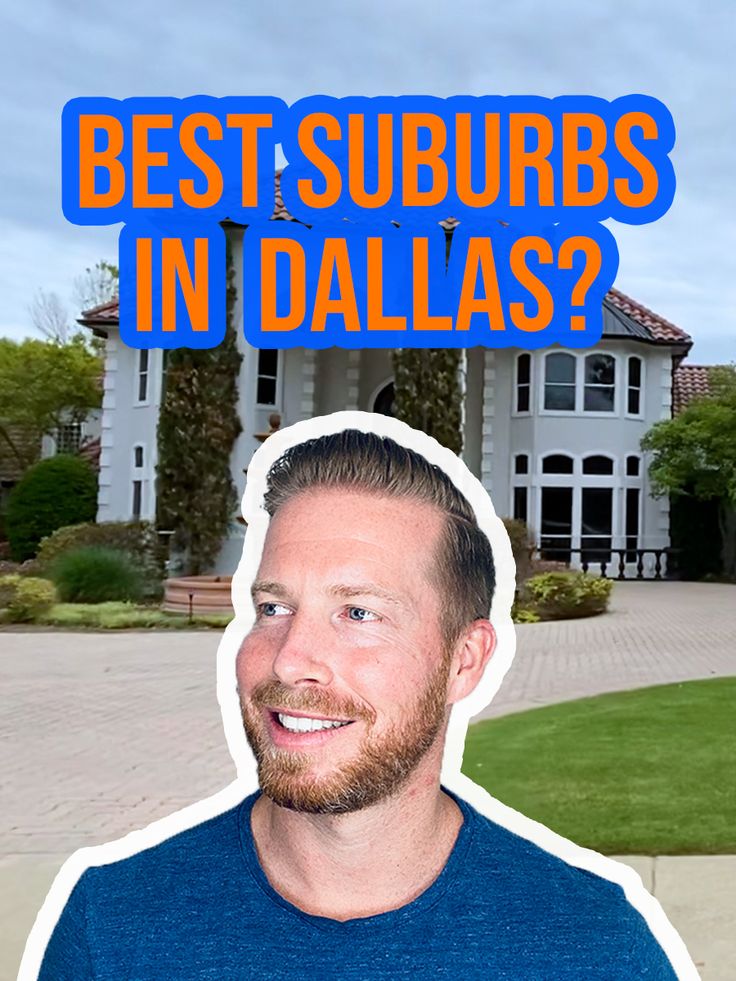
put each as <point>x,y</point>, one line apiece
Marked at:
<point>383,403</point>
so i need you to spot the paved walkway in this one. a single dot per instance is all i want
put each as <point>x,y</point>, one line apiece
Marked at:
<point>102,733</point>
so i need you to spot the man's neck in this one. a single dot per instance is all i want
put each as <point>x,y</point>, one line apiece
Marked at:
<point>354,865</point>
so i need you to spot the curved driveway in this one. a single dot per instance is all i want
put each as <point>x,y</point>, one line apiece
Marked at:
<point>654,634</point>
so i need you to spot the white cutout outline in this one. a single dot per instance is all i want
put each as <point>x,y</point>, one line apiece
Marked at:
<point>246,781</point>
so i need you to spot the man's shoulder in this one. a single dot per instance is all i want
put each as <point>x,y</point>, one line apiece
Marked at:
<point>194,853</point>
<point>522,874</point>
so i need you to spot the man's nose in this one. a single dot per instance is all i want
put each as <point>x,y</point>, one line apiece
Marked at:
<point>305,653</point>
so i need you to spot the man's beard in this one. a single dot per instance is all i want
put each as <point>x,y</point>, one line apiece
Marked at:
<point>382,764</point>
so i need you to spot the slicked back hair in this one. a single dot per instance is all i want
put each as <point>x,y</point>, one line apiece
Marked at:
<point>464,569</point>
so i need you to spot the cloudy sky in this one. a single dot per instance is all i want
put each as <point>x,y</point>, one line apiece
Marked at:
<point>683,266</point>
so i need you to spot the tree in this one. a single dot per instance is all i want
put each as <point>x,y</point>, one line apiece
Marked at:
<point>694,455</point>
<point>49,316</point>
<point>98,285</point>
<point>44,384</point>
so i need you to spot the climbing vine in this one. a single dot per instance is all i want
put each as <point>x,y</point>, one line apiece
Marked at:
<point>197,429</point>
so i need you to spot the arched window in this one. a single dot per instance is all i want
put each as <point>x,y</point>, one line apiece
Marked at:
<point>598,466</point>
<point>521,463</point>
<point>632,466</point>
<point>383,403</point>
<point>600,383</point>
<point>557,463</point>
<point>559,382</point>
<point>523,382</point>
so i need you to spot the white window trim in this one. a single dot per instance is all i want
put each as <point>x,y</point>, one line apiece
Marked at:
<point>137,403</point>
<point>642,389</point>
<point>579,411</point>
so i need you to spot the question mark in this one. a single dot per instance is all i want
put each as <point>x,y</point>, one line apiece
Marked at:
<point>593,261</point>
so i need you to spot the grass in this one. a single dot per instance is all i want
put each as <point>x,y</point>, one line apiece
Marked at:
<point>125,616</point>
<point>642,772</point>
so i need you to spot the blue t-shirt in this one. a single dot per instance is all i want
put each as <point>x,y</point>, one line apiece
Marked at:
<point>199,906</point>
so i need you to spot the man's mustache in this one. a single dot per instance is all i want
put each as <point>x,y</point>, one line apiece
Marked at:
<point>274,694</point>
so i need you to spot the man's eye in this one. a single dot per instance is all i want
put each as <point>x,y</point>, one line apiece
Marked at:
<point>358,614</point>
<point>273,610</point>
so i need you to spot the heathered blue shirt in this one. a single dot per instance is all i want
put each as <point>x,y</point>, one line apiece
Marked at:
<point>198,906</point>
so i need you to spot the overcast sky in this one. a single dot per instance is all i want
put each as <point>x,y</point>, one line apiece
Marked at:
<point>683,266</point>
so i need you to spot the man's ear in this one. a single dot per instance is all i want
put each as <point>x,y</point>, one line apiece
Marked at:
<point>473,650</point>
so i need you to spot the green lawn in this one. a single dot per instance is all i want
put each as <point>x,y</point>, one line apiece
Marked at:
<point>651,771</point>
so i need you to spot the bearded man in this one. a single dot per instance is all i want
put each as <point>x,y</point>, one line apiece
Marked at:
<point>372,603</point>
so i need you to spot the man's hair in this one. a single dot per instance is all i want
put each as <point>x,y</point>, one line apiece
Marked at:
<point>464,569</point>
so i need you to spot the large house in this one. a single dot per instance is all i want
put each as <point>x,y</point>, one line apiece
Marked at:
<point>552,434</point>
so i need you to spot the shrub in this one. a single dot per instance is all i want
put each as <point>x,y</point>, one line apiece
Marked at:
<point>96,575</point>
<point>566,595</point>
<point>59,491</point>
<point>26,599</point>
<point>135,538</point>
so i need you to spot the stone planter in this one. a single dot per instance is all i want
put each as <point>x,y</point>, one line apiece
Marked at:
<point>198,594</point>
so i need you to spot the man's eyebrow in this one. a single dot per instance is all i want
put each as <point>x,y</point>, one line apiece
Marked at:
<point>351,590</point>
<point>268,586</point>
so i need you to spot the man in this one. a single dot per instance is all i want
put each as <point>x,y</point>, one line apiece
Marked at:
<point>372,600</point>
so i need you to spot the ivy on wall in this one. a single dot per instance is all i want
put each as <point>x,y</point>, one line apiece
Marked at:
<point>197,429</point>
<point>427,392</point>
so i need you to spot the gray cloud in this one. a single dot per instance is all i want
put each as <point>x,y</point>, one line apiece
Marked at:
<point>53,51</point>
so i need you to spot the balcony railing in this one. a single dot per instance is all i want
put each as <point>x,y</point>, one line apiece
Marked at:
<point>616,563</point>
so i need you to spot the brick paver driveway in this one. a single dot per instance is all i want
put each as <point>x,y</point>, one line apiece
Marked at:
<point>102,733</point>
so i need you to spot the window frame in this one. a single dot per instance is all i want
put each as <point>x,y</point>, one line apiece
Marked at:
<point>278,378</point>
<point>641,388</point>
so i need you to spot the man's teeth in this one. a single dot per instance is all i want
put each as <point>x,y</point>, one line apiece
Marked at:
<point>300,724</point>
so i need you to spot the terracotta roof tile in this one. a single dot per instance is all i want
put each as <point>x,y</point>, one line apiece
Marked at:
<point>691,381</point>
<point>659,328</point>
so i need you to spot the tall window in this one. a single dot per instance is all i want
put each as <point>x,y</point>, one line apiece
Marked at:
<point>600,382</point>
<point>597,524</point>
<point>632,523</point>
<point>559,382</point>
<point>633,397</point>
<point>523,382</point>
<point>556,524</point>
<point>136,507</point>
<point>143,360</point>
<point>268,370</point>
<point>520,503</point>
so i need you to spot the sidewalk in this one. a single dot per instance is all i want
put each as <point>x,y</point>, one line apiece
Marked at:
<point>103,733</point>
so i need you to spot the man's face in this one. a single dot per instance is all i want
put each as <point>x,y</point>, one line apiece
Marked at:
<point>343,678</point>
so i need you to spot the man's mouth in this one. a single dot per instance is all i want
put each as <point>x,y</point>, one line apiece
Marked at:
<point>305,723</point>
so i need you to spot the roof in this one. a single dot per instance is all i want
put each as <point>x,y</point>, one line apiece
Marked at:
<point>691,381</point>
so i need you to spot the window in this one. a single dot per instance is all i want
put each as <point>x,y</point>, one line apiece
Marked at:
<point>600,381</point>
<point>520,503</point>
<point>523,382</point>
<point>556,525</point>
<point>598,466</point>
<point>137,498</point>
<point>632,466</point>
<point>143,375</point>
<point>69,437</point>
<point>521,463</point>
<point>268,367</point>
<point>557,463</point>
<point>597,524</point>
<point>138,457</point>
<point>632,522</point>
<point>559,382</point>
<point>633,399</point>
